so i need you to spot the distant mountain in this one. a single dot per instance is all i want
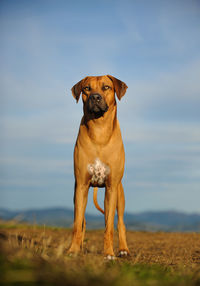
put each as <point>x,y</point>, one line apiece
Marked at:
<point>61,217</point>
<point>165,220</point>
<point>146,221</point>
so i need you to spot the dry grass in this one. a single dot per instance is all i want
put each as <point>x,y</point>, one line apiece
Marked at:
<point>37,256</point>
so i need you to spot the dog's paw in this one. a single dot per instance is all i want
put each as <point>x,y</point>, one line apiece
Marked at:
<point>123,253</point>
<point>109,257</point>
<point>72,254</point>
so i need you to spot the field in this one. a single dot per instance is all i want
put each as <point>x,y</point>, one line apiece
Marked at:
<point>33,255</point>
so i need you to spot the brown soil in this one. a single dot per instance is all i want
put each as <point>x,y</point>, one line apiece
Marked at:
<point>167,249</point>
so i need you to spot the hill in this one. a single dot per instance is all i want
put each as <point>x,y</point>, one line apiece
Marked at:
<point>147,221</point>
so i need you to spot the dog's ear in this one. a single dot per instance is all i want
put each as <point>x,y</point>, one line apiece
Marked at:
<point>76,90</point>
<point>120,86</point>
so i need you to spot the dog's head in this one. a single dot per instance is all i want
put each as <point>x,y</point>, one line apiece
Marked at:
<point>98,93</point>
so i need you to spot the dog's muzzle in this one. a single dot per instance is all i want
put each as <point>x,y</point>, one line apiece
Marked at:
<point>95,97</point>
<point>97,104</point>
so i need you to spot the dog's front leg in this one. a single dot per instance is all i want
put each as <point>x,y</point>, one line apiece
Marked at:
<point>80,202</point>
<point>110,203</point>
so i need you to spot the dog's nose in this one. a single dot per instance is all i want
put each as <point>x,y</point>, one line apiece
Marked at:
<point>96,97</point>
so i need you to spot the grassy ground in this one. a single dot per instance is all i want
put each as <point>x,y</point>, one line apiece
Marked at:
<point>32,255</point>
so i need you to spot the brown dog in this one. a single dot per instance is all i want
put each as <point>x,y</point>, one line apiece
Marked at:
<point>99,159</point>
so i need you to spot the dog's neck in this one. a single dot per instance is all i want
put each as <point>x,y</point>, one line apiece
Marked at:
<point>101,129</point>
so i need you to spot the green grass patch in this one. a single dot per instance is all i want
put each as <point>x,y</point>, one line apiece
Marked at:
<point>41,272</point>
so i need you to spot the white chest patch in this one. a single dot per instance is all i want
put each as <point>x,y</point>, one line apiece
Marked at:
<point>99,172</point>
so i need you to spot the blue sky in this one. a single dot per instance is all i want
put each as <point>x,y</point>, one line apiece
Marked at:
<point>48,46</point>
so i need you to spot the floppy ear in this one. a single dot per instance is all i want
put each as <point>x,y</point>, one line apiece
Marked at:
<point>120,86</point>
<point>76,90</point>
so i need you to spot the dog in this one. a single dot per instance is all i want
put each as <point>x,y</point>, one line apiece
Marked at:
<point>99,160</point>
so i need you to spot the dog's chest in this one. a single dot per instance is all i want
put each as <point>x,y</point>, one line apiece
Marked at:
<point>98,171</point>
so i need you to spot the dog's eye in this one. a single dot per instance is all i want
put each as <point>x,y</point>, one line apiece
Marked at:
<point>106,87</point>
<point>87,88</point>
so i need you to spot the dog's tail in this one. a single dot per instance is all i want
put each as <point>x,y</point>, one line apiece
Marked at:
<point>95,200</point>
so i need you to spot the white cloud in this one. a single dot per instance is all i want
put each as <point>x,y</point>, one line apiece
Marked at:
<point>165,108</point>
<point>37,164</point>
<point>179,26</point>
<point>161,133</point>
<point>180,197</point>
